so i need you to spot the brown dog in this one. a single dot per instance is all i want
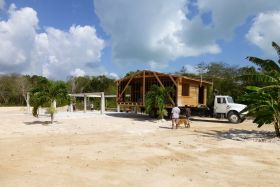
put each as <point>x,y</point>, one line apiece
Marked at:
<point>184,121</point>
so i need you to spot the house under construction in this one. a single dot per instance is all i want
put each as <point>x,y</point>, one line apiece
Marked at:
<point>188,91</point>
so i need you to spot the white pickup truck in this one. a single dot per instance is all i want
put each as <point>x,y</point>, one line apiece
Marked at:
<point>224,107</point>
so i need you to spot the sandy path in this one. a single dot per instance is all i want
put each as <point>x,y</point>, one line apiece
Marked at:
<point>115,151</point>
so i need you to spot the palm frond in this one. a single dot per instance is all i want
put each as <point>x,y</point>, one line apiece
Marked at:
<point>277,48</point>
<point>270,87</point>
<point>267,65</point>
<point>259,78</point>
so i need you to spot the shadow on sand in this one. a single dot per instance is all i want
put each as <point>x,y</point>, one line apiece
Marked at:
<point>213,120</point>
<point>240,135</point>
<point>45,123</point>
<point>136,117</point>
<point>164,127</point>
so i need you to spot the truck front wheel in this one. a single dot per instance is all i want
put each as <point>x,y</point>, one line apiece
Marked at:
<point>233,117</point>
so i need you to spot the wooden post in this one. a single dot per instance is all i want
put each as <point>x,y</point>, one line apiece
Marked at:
<point>144,88</point>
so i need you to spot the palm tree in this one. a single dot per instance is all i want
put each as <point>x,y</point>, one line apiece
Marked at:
<point>46,94</point>
<point>156,100</point>
<point>264,101</point>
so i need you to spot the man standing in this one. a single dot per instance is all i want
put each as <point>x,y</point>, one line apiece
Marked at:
<point>175,116</point>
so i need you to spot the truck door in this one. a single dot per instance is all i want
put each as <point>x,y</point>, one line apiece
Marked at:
<point>220,105</point>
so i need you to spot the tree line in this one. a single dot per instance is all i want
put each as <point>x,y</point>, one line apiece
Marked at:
<point>14,87</point>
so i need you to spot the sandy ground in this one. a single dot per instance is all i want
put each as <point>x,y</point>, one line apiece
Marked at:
<point>129,150</point>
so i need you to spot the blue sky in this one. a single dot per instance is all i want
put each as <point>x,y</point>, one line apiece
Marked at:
<point>93,37</point>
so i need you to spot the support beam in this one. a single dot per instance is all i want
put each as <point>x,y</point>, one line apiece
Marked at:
<point>102,110</point>
<point>172,79</point>
<point>118,108</point>
<point>127,84</point>
<point>169,97</point>
<point>85,103</point>
<point>144,88</point>
<point>28,102</point>
<point>71,106</point>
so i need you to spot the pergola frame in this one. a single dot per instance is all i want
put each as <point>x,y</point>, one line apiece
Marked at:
<point>85,96</point>
<point>100,95</point>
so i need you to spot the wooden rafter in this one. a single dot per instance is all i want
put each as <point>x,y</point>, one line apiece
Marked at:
<point>150,74</point>
<point>173,80</point>
<point>128,84</point>
<point>158,79</point>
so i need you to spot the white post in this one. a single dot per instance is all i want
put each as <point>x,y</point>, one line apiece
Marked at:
<point>54,104</point>
<point>118,108</point>
<point>102,103</point>
<point>85,103</point>
<point>71,107</point>
<point>27,102</point>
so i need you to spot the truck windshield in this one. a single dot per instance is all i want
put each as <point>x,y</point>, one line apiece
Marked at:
<point>230,100</point>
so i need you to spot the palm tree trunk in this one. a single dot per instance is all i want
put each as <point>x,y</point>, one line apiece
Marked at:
<point>52,118</point>
<point>276,126</point>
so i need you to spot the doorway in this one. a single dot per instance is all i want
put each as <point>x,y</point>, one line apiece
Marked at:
<point>201,95</point>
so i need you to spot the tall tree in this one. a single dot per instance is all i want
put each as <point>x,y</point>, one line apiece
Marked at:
<point>23,85</point>
<point>264,101</point>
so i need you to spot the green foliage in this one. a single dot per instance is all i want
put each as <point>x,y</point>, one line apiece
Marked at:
<point>92,84</point>
<point>156,100</point>
<point>223,77</point>
<point>264,101</point>
<point>131,73</point>
<point>46,92</point>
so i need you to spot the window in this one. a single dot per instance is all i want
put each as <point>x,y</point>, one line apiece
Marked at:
<point>230,100</point>
<point>221,100</point>
<point>185,89</point>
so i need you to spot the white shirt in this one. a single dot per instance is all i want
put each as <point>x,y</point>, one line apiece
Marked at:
<point>175,112</point>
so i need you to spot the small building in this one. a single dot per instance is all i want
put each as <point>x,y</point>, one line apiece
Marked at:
<point>188,91</point>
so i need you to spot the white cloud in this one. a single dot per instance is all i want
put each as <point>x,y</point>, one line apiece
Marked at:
<point>65,52</point>
<point>2,4</point>
<point>53,53</point>
<point>148,31</point>
<point>113,76</point>
<point>228,15</point>
<point>190,69</point>
<point>78,73</point>
<point>17,38</point>
<point>159,31</point>
<point>264,30</point>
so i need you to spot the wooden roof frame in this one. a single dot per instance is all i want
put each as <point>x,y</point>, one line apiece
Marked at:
<point>171,76</point>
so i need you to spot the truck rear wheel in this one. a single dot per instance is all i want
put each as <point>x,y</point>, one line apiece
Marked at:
<point>233,117</point>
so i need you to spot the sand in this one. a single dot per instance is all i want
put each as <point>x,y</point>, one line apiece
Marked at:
<point>129,150</point>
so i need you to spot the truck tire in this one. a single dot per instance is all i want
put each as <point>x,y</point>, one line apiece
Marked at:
<point>233,117</point>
